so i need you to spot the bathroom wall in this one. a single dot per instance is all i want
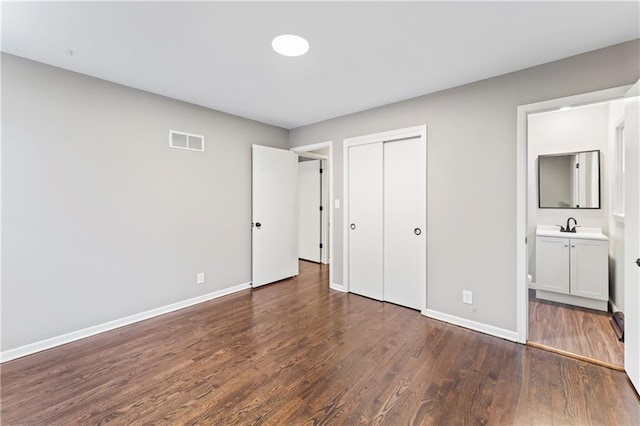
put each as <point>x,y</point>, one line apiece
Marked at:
<point>577,129</point>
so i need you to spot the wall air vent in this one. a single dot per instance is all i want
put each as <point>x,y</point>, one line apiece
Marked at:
<point>188,141</point>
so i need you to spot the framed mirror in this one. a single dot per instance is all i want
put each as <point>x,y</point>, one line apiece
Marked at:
<point>569,181</point>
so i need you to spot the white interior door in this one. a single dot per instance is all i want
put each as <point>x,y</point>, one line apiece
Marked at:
<point>309,213</point>
<point>274,233</point>
<point>632,237</point>
<point>404,221</point>
<point>365,220</point>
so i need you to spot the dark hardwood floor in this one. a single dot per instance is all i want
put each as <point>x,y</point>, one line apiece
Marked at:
<point>580,331</point>
<point>296,352</point>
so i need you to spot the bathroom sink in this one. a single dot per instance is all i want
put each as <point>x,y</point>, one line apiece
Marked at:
<point>583,233</point>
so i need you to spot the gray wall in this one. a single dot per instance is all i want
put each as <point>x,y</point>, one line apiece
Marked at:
<point>101,219</point>
<point>471,188</point>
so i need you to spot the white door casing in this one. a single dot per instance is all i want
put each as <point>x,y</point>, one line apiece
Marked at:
<point>632,236</point>
<point>309,213</point>
<point>365,220</point>
<point>405,201</point>
<point>274,233</point>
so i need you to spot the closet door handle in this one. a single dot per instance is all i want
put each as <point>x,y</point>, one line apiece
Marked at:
<point>417,231</point>
<point>352,226</point>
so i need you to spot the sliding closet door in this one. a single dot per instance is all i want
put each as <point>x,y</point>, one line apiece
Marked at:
<point>365,220</point>
<point>405,201</point>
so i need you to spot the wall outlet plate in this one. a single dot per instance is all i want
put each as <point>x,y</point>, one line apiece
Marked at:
<point>467,297</point>
<point>200,278</point>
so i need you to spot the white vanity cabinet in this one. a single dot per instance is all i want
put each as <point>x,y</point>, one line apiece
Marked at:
<point>573,268</point>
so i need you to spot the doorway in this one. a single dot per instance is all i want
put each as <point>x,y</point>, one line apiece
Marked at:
<point>312,226</point>
<point>564,301</point>
<point>321,154</point>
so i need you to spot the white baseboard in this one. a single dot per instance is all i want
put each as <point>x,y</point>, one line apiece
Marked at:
<point>473,325</point>
<point>337,287</point>
<point>614,308</point>
<point>52,342</point>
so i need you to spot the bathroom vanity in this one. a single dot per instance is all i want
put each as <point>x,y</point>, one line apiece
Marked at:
<point>573,267</point>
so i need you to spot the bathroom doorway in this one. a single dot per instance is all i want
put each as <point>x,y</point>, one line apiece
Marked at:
<point>576,279</point>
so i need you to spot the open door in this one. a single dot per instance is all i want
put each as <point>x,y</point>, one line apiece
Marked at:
<point>632,237</point>
<point>274,236</point>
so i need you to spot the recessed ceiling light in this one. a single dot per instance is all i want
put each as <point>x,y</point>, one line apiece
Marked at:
<point>290,45</point>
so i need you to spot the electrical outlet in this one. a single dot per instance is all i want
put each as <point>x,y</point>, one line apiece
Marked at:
<point>467,297</point>
<point>200,278</point>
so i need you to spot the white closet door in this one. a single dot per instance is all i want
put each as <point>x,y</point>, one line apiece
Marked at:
<point>309,214</point>
<point>365,220</point>
<point>404,221</point>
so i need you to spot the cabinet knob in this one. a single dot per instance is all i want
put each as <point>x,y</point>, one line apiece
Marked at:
<point>573,245</point>
<point>566,245</point>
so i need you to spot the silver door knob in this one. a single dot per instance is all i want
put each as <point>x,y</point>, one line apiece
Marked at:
<point>258,225</point>
<point>352,226</point>
<point>417,231</point>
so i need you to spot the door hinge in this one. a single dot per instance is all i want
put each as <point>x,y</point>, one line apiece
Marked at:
<point>577,165</point>
<point>320,245</point>
<point>526,240</point>
<point>320,208</point>
<point>321,171</point>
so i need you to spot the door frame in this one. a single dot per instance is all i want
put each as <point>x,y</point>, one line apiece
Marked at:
<point>304,149</point>
<point>392,135</point>
<point>523,111</point>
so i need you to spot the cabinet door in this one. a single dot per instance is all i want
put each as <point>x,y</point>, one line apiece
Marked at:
<point>552,264</point>
<point>405,216</point>
<point>365,220</point>
<point>589,269</point>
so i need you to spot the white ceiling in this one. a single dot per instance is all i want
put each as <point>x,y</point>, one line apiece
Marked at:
<point>362,55</point>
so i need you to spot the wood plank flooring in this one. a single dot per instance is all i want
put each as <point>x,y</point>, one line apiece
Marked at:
<point>580,331</point>
<point>296,352</point>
